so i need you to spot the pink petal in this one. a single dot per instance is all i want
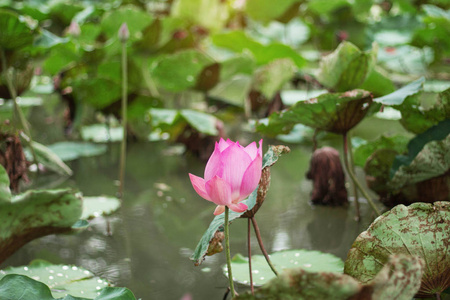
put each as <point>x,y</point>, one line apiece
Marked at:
<point>219,191</point>
<point>199,186</point>
<point>235,162</point>
<point>219,209</point>
<point>251,178</point>
<point>251,150</point>
<point>239,207</point>
<point>224,145</point>
<point>260,148</point>
<point>213,165</point>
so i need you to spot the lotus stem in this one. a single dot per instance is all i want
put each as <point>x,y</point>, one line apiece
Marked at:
<point>123,148</point>
<point>250,255</point>
<point>227,245</point>
<point>355,190</point>
<point>354,179</point>
<point>438,296</point>
<point>261,245</point>
<point>18,113</point>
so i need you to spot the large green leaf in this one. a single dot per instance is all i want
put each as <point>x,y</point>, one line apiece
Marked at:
<point>233,91</point>
<point>101,133</point>
<point>136,20</point>
<point>338,113</point>
<point>34,214</point>
<point>217,223</point>
<point>270,78</point>
<point>346,68</point>
<point>209,14</point>
<point>267,10</point>
<point>311,261</point>
<point>179,71</point>
<point>399,279</point>
<point>417,118</point>
<point>98,92</point>
<point>238,41</point>
<point>99,206</point>
<point>16,31</point>
<point>67,151</point>
<point>5,192</point>
<point>378,84</point>
<point>428,157</point>
<point>49,159</point>
<point>420,229</point>
<point>397,97</point>
<point>14,286</point>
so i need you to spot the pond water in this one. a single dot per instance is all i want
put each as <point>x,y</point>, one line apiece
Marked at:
<point>147,244</point>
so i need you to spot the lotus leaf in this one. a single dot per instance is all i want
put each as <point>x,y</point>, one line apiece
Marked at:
<point>72,150</point>
<point>346,68</point>
<point>135,19</point>
<point>270,78</point>
<point>420,229</point>
<point>399,279</point>
<point>210,14</point>
<point>100,133</point>
<point>34,214</point>
<point>311,261</point>
<point>99,206</point>
<point>5,192</point>
<point>217,223</point>
<point>334,112</point>
<point>17,31</point>
<point>14,286</point>
<point>49,159</point>
<point>397,143</point>
<point>267,10</point>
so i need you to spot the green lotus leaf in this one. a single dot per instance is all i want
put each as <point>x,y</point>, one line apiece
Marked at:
<point>233,91</point>
<point>378,84</point>
<point>417,118</point>
<point>100,133</point>
<point>334,112</point>
<point>311,261</point>
<point>5,192</point>
<point>399,279</point>
<point>136,20</point>
<point>346,68</point>
<point>67,151</point>
<point>15,286</point>
<point>212,15</point>
<point>397,97</point>
<point>398,143</point>
<point>377,168</point>
<point>420,229</point>
<point>270,78</point>
<point>49,159</point>
<point>99,206</point>
<point>34,214</point>
<point>267,10</point>
<point>98,92</point>
<point>179,71</point>
<point>17,32</point>
<point>217,223</point>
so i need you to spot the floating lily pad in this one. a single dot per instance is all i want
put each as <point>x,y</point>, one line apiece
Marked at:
<point>15,286</point>
<point>34,214</point>
<point>100,133</point>
<point>334,112</point>
<point>217,223</point>
<point>312,261</point>
<point>420,229</point>
<point>399,279</point>
<point>346,68</point>
<point>99,206</point>
<point>72,150</point>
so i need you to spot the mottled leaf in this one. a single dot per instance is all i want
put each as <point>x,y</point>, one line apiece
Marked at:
<point>34,214</point>
<point>338,113</point>
<point>420,229</point>
<point>217,223</point>
<point>346,68</point>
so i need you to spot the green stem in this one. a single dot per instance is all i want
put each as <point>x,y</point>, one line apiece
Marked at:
<point>123,148</point>
<point>354,179</point>
<point>18,113</point>
<point>355,190</point>
<point>227,245</point>
<point>250,256</point>
<point>261,245</point>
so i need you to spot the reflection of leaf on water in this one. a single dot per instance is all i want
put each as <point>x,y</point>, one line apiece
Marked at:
<point>421,229</point>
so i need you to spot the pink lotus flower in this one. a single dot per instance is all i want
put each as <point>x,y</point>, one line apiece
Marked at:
<point>231,175</point>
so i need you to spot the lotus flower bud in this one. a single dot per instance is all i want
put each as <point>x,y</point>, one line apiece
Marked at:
<point>124,33</point>
<point>232,173</point>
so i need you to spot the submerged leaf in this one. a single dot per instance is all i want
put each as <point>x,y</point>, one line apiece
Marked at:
<point>337,113</point>
<point>420,229</point>
<point>311,261</point>
<point>217,223</point>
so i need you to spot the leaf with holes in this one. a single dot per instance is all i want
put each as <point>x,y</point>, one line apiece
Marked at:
<point>420,229</point>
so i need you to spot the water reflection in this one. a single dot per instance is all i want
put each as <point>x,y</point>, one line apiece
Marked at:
<point>163,219</point>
